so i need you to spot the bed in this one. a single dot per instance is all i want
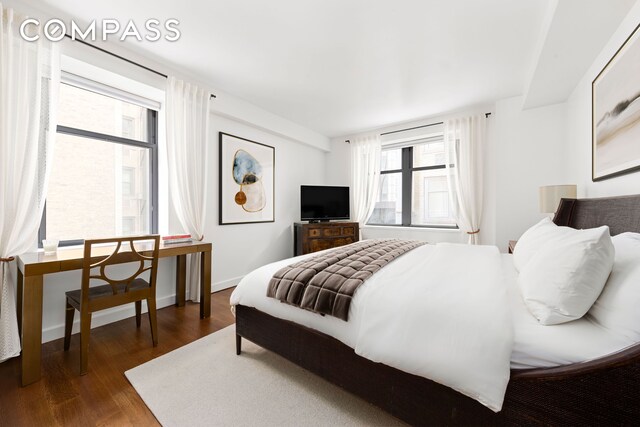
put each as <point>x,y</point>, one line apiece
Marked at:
<point>598,391</point>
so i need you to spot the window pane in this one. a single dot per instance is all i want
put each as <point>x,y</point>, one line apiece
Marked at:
<point>83,109</point>
<point>391,159</point>
<point>97,189</point>
<point>128,183</point>
<point>388,207</point>
<point>429,154</point>
<point>430,204</point>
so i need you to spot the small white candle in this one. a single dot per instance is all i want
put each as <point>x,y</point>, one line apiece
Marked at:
<point>50,246</point>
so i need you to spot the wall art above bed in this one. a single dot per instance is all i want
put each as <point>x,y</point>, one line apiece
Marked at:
<point>247,178</point>
<point>616,113</point>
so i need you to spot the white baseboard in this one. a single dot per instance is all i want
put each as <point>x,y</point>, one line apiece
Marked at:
<point>225,284</point>
<point>109,316</point>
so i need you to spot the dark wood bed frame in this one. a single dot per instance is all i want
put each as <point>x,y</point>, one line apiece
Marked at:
<point>604,391</point>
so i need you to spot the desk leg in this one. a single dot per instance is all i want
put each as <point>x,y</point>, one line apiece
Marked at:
<point>19,302</point>
<point>31,328</point>
<point>181,280</point>
<point>205,284</point>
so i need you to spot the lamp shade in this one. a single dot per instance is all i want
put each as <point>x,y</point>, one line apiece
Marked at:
<point>550,196</point>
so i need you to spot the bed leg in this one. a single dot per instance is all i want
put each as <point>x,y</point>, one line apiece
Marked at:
<point>238,344</point>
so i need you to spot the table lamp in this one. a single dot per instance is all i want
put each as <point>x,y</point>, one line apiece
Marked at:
<point>550,196</point>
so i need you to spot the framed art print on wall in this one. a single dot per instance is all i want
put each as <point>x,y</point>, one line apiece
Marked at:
<point>247,181</point>
<point>616,113</point>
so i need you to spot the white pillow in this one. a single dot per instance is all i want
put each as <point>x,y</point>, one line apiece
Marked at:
<point>535,238</point>
<point>618,307</point>
<point>564,277</point>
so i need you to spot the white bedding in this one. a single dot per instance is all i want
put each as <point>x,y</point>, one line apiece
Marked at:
<point>538,346</point>
<point>445,318</point>
<point>534,345</point>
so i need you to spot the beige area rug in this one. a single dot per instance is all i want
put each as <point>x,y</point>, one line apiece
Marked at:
<point>205,383</point>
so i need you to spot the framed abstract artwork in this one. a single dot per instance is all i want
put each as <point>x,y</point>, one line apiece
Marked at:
<point>247,178</point>
<point>616,113</point>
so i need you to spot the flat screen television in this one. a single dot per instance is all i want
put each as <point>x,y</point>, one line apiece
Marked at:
<point>322,203</point>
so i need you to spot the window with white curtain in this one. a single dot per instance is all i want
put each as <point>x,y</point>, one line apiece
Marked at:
<point>413,185</point>
<point>104,179</point>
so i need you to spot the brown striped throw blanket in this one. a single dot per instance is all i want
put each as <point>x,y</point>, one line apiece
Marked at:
<point>326,283</point>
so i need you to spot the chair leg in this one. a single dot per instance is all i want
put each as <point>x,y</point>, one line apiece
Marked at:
<point>85,329</point>
<point>68,325</point>
<point>138,313</point>
<point>238,344</point>
<point>151,307</point>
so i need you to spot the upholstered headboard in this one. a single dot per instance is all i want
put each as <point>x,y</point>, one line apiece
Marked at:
<point>620,213</point>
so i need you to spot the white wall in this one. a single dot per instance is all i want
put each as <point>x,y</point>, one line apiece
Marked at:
<point>338,162</point>
<point>530,152</point>
<point>579,123</point>
<point>238,249</point>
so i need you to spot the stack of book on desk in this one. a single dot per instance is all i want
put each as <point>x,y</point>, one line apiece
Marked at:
<point>177,238</point>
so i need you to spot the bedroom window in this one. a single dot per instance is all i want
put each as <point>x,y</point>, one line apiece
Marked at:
<point>413,186</point>
<point>103,180</point>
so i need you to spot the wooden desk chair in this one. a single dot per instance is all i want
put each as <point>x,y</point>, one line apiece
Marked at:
<point>88,300</point>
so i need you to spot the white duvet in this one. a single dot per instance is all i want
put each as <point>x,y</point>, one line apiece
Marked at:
<point>441,312</point>
<point>451,325</point>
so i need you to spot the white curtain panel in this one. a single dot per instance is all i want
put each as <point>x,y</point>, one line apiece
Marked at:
<point>29,83</point>
<point>187,153</point>
<point>464,139</point>
<point>365,176</point>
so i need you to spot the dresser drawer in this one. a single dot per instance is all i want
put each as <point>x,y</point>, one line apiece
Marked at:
<point>332,231</point>
<point>349,231</point>
<point>322,244</point>
<point>313,232</point>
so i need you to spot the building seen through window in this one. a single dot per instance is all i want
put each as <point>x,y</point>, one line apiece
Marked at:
<point>102,178</point>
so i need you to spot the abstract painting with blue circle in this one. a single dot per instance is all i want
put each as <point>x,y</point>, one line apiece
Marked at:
<point>247,181</point>
<point>247,173</point>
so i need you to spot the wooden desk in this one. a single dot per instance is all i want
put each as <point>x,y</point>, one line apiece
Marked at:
<point>33,266</point>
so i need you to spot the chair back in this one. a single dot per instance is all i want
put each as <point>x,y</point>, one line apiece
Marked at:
<point>106,254</point>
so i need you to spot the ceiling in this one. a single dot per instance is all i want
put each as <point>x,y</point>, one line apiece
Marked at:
<point>342,66</point>
<point>575,31</point>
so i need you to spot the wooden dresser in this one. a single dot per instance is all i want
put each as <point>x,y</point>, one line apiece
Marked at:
<point>317,236</point>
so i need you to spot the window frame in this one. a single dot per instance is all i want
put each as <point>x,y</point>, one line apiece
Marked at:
<point>407,171</point>
<point>151,145</point>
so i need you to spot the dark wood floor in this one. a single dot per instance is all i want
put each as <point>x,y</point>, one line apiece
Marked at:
<point>103,396</point>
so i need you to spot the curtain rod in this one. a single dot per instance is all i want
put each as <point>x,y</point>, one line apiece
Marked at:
<point>416,127</point>
<point>124,59</point>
